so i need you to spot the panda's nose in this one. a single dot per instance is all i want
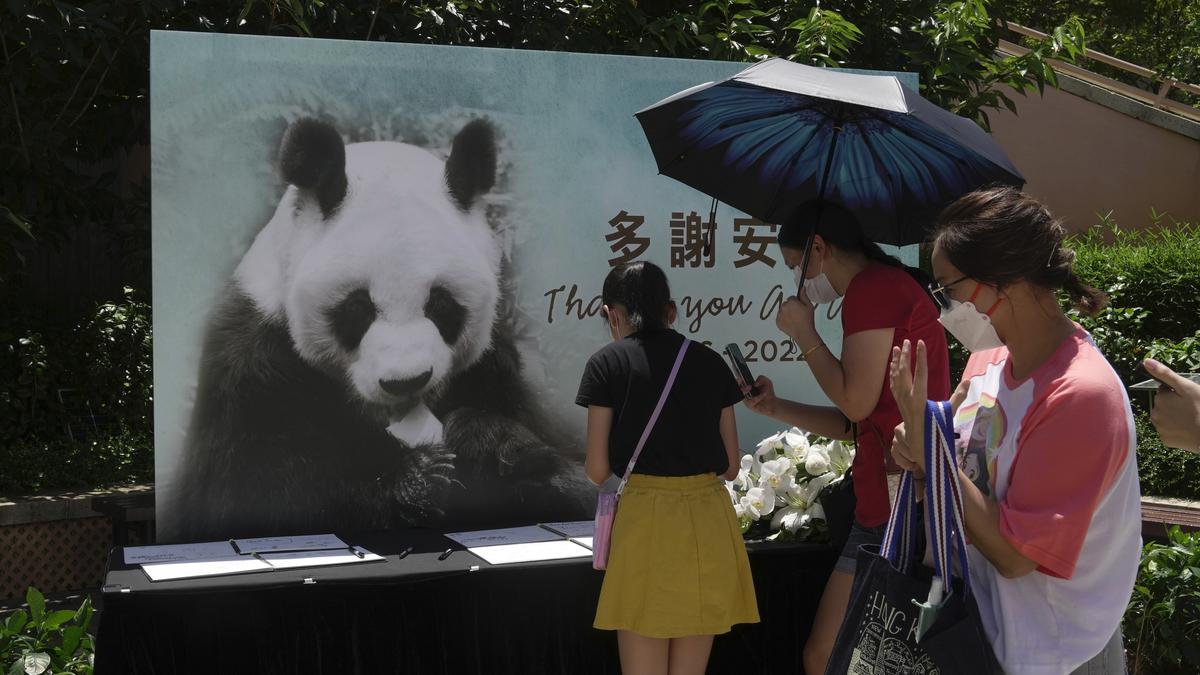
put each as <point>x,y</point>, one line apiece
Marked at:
<point>406,387</point>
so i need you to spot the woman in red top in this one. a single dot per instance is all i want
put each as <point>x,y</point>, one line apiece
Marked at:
<point>882,305</point>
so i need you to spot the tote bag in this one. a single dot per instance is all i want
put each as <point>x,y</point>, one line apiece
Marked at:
<point>901,618</point>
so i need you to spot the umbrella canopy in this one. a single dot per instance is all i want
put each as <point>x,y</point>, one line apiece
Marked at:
<point>779,134</point>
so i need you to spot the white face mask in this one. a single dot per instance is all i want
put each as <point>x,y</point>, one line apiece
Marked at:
<point>818,289</point>
<point>970,326</point>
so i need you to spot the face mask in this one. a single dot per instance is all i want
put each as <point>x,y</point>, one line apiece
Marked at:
<point>970,326</point>
<point>818,289</point>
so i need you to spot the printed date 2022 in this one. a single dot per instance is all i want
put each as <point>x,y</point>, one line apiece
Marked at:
<point>769,351</point>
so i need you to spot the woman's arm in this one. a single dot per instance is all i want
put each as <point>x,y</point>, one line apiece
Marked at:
<point>817,419</point>
<point>854,382</point>
<point>821,420</point>
<point>982,513</point>
<point>599,423</point>
<point>983,527</point>
<point>730,437</point>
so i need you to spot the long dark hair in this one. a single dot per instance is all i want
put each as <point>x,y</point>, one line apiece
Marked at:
<point>840,228</point>
<point>837,225</point>
<point>642,289</point>
<point>1001,235</point>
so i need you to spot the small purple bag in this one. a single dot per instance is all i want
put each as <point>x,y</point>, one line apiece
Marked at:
<point>606,502</point>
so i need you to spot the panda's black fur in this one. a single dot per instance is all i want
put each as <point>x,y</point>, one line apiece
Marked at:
<point>278,446</point>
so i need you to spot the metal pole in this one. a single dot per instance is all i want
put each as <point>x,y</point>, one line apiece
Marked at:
<point>837,133</point>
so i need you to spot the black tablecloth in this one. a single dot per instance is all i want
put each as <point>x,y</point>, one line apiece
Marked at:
<point>422,615</point>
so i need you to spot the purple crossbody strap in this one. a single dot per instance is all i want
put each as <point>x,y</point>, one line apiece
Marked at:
<point>654,417</point>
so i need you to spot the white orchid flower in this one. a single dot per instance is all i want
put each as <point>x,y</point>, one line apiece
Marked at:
<point>790,518</point>
<point>797,444</point>
<point>773,472</point>
<point>841,457</point>
<point>770,446</point>
<point>758,502</point>
<point>733,496</point>
<point>805,494</point>
<point>800,504</point>
<point>787,482</point>
<point>817,461</point>
<point>747,473</point>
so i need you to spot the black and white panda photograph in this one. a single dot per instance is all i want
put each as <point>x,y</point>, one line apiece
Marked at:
<point>361,366</point>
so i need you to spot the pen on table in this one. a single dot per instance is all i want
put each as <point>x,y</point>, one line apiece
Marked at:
<point>405,552</point>
<point>445,554</point>
<point>357,552</point>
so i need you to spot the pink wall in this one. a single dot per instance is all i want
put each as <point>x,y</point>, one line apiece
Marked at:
<point>1081,158</point>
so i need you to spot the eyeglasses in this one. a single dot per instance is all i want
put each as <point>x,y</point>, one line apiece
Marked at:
<point>940,292</point>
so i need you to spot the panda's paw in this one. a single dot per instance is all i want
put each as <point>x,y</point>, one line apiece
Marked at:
<point>435,463</point>
<point>422,488</point>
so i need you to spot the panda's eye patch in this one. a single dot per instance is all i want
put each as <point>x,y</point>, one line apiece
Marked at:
<point>352,317</point>
<point>444,311</point>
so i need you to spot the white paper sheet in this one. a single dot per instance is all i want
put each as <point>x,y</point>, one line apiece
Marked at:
<point>583,541</point>
<point>510,535</point>
<point>504,554</point>
<point>574,528</point>
<point>317,558</point>
<point>234,564</point>
<point>311,542</point>
<point>136,555</point>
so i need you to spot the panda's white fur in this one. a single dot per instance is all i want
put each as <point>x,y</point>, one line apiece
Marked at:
<point>395,234</point>
<point>293,428</point>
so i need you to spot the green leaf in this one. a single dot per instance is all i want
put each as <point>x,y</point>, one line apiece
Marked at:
<point>20,223</point>
<point>36,664</point>
<point>56,619</point>
<point>70,642</point>
<point>16,621</point>
<point>37,603</point>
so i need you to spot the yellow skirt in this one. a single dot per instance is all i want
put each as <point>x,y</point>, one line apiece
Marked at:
<point>677,565</point>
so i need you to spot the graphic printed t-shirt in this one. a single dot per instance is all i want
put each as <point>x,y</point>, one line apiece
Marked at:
<point>1057,451</point>
<point>629,375</point>
<point>882,296</point>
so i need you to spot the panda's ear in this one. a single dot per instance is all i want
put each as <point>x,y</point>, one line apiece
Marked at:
<point>313,158</point>
<point>471,168</point>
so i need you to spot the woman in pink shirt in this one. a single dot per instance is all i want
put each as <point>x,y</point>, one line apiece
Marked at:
<point>1046,435</point>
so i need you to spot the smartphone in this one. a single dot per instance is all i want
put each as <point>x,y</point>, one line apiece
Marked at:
<point>1145,381</point>
<point>740,370</point>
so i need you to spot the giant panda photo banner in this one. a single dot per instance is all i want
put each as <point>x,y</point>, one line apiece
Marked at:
<point>377,271</point>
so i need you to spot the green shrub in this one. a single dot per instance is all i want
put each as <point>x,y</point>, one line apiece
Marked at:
<point>1165,472</point>
<point>38,641</point>
<point>1163,617</point>
<point>77,407</point>
<point>1152,278</point>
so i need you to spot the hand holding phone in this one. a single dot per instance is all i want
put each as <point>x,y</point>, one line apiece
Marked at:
<point>740,370</point>
<point>1145,381</point>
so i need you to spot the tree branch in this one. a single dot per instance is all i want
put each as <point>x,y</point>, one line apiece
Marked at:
<point>16,110</point>
<point>79,82</point>
<point>375,15</point>
<point>99,82</point>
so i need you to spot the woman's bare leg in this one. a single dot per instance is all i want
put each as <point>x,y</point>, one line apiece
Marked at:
<point>829,617</point>
<point>689,655</point>
<point>641,655</point>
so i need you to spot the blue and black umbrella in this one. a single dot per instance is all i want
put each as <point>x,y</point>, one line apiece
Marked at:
<point>780,134</point>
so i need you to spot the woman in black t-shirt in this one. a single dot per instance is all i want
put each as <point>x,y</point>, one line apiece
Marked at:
<point>677,570</point>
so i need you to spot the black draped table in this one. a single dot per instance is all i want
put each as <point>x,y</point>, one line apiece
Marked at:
<point>422,615</point>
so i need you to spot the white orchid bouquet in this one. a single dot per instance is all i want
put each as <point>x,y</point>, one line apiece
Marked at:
<point>777,492</point>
